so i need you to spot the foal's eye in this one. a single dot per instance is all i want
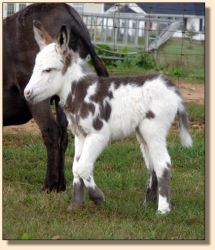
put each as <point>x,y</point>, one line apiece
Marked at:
<point>47,70</point>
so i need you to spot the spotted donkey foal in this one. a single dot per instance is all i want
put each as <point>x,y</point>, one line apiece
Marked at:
<point>101,109</point>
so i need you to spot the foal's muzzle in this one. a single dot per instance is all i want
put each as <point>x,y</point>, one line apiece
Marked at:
<point>28,93</point>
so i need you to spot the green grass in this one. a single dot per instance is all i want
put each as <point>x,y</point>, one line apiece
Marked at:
<point>196,111</point>
<point>29,213</point>
<point>182,59</point>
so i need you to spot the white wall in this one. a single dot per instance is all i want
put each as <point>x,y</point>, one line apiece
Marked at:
<point>97,8</point>
<point>193,23</point>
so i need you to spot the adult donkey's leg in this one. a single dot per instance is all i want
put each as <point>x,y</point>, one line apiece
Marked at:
<point>52,135</point>
<point>62,123</point>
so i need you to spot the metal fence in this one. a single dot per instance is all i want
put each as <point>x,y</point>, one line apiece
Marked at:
<point>11,8</point>
<point>131,30</point>
<point>141,30</point>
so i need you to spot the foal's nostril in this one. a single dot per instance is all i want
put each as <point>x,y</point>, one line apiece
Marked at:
<point>27,93</point>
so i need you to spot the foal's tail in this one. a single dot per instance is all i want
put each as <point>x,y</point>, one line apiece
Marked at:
<point>186,139</point>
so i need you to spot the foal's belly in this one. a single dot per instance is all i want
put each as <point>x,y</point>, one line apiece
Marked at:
<point>120,130</point>
<point>126,114</point>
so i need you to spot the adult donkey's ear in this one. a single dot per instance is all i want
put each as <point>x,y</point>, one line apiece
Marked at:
<point>63,39</point>
<point>41,36</point>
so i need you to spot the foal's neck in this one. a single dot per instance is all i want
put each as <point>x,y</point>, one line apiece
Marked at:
<point>75,72</point>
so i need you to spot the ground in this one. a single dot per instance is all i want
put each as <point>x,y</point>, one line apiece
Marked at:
<point>192,92</point>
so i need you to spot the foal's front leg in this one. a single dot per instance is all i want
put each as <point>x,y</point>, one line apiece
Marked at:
<point>78,184</point>
<point>92,147</point>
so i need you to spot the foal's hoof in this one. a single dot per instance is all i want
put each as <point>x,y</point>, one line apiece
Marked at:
<point>163,211</point>
<point>74,205</point>
<point>96,195</point>
<point>164,207</point>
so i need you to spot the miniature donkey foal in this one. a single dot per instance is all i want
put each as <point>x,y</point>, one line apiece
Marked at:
<point>100,109</point>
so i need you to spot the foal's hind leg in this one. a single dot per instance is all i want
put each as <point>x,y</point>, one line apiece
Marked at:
<point>155,138</point>
<point>152,189</point>
<point>152,185</point>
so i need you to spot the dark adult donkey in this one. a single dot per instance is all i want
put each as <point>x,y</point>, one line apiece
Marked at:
<point>19,52</point>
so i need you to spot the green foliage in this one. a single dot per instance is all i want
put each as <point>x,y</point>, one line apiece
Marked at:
<point>177,72</point>
<point>101,49</point>
<point>142,60</point>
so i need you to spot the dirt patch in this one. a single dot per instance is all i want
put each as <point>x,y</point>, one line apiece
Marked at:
<point>198,125</point>
<point>191,92</point>
<point>29,127</point>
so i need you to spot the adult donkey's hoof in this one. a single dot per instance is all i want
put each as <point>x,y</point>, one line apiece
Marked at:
<point>61,185</point>
<point>54,185</point>
<point>96,195</point>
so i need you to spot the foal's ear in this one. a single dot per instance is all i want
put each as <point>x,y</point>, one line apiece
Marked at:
<point>63,39</point>
<point>41,36</point>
